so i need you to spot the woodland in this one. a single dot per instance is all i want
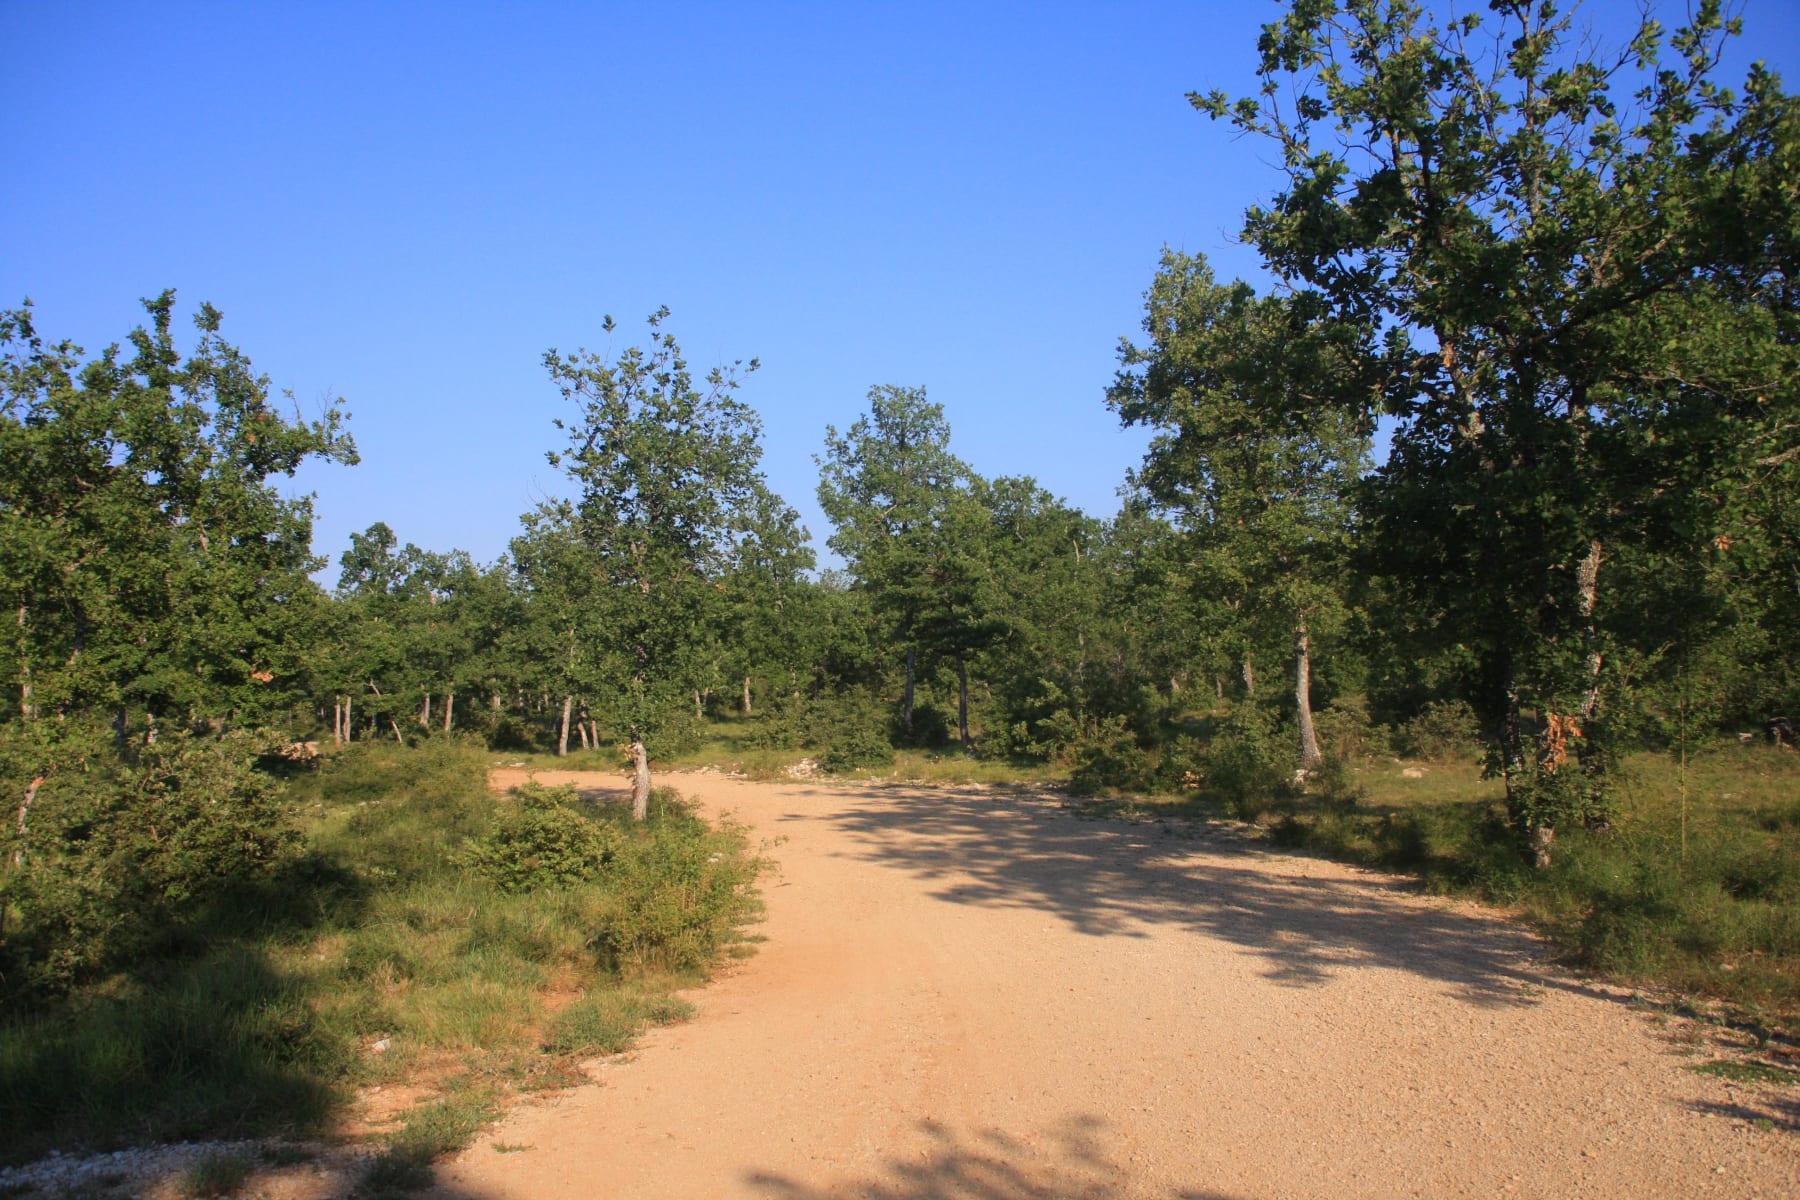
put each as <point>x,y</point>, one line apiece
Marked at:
<point>1556,287</point>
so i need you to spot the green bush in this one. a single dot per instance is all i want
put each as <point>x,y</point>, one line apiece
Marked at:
<point>676,890</point>
<point>1346,732</point>
<point>542,841</point>
<point>119,856</point>
<point>854,738</point>
<point>1246,767</point>
<point>1447,729</point>
<point>1108,758</point>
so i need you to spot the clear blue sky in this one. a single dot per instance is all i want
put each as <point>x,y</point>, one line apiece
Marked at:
<point>406,204</point>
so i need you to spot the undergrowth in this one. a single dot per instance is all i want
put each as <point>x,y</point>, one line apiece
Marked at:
<point>424,930</point>
<point>1700,896</point>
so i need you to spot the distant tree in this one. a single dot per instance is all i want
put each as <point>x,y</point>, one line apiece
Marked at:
<point>1251,453</point>
<point>664,470</point>
<point>887,484</point>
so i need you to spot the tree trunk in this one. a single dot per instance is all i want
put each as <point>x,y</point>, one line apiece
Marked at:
<point>747,711</point>
<point>562,741</point>
<point>581,730</point>
<point>449,708</point>
<point>640,779</point>
<point>31,792</point>
<point>347,725</point>
<point>395,726</point>
<point>27,710</point>
<point>906,708</point>
<point>1249,676</point>
<point>1310,755</point>
<point>698,714</point>
<point>425,712</point>
<point>962,702</point>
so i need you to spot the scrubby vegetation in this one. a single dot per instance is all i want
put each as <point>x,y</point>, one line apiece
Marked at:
<point>415,927</point>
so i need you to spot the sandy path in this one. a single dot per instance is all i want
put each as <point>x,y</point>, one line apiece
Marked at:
<point>963,995</point>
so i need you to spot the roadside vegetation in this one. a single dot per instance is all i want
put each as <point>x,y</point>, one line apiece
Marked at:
<point>415,930</point>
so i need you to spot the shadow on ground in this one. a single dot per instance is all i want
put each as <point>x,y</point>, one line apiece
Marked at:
<point>1114,879</point>
<point>1070,1163</point>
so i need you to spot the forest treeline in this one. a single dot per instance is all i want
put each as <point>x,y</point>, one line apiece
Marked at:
<point>1559,286</point>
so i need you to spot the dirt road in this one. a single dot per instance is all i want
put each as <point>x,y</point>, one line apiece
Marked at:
<point>967,995</point>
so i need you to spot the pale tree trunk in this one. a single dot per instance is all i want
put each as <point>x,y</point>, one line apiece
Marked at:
<point>747,711</point>
<point>394,725</point>
<point>640,779</point>
<point>698,714</point>
<point>449,708</point>
<point>962,702</point>
<point>1249,675</point>
<point>31,792</point>
<point>562,740</point>
<point>348,728</point>
<point>581,729</point>
<point>906,709</point>
<point>1310,756</point>
<point>425,712</point>
<point>27,709</point>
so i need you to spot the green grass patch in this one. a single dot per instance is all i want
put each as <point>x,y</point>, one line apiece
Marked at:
<point>1747,1072</point>
<point>427,926</point>
<point>1695,887</point>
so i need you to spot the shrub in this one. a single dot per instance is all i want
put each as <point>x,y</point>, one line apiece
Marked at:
<point>1246,766</point>
<point>676,890</point>
<point>1345,731</point>
<point>1109,758</point>
<point>1447,729</point>
<point>119,856</point>
<point>854,737</point>
<point>542,842</point>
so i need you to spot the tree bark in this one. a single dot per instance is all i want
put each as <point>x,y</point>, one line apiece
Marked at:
<point>562,740</point>
<point>31,792</point>
<point>27,709</point>
<point>399,738</point>
<point>698,714</point>
<point>747,711</point>
<point>581,729</point>
<point>640,779</point>
<point>425,712</point>
<point>449,708</point>
<point>906,708</point>
<point>1310,755</point>
<point>1249,676</point>
<point>347,726</point>
<point>962,702</point>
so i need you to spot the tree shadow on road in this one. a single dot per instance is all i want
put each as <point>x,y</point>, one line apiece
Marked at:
<point>1069,1163</point>
<point>1305,919</point>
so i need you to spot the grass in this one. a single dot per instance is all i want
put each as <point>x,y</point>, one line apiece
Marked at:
<point>378,957</point>
<point>1698,893</point>
<point>1751,1073</point>
<point>218,1174</point>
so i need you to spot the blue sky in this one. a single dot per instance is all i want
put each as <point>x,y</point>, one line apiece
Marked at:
<point>405,205</point>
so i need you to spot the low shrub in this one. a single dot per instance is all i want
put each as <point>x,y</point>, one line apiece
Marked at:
<point>543,841</point>
<point>1447,729</point>
<point>1108,758</point>
<point>1246,767</point>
